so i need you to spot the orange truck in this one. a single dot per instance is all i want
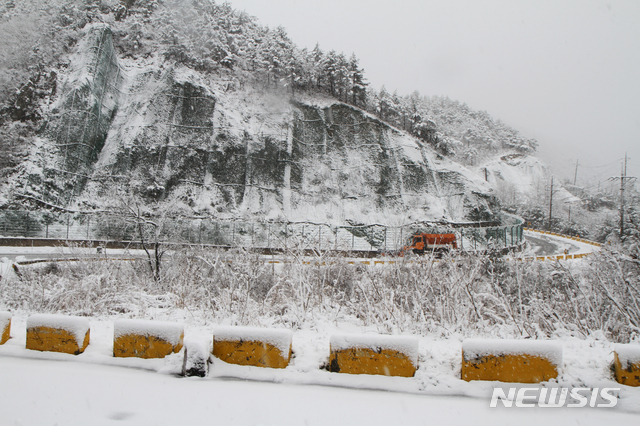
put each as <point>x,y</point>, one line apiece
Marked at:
<point>422,242</point>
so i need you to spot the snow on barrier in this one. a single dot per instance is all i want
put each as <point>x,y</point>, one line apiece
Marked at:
<point>196,359</point>
<point>374,354</point>
<point>5,327</point>
<point>257,347</point>
<point>146,339</point>
<point>57,333</point>
<point>520,361</point>
<point>627,364</point>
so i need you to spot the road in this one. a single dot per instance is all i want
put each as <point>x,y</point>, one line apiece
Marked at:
<point>49,253</point>
<point>540,245</point>
<point>548,245</point>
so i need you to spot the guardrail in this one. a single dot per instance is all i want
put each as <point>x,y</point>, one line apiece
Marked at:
<point>582,240</point>
<point>506,360</point>
<point>564,256</point>
<point>107,228</point>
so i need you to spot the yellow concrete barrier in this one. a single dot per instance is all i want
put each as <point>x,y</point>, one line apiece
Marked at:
<point>57,333</point>
<point>374,354</point>
<point>626,364</point>
<point>5,327</point>
<point>257,347</point>
<point>520,361</point>
<point>146,339</point>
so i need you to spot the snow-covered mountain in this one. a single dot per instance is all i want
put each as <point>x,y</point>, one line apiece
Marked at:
<point>233,121</point>
<point>162,130</point>
<point>518,178</point>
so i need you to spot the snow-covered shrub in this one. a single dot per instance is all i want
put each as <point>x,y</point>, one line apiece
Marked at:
<point>472,295</point>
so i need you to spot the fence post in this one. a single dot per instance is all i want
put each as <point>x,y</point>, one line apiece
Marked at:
<point>88,222</point>
<point>385,238</point>
<point>462,239</point>
<point>233,235</point>
<point>68,219</point>
<point>269,236</point>
<point>319,237</point>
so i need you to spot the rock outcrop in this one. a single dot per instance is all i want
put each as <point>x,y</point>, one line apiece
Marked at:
<point>161,130</point>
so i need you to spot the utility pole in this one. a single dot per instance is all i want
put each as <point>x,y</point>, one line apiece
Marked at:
<point>623,179</point>
<point>575,176</point>
<point>623,174</point>
<point>550,204</point>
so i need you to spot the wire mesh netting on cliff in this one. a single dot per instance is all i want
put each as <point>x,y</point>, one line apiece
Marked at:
<point>268,235</point>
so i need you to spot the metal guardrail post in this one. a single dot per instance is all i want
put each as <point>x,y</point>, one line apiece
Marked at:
<point>385,238</point>
<point>233,235</point>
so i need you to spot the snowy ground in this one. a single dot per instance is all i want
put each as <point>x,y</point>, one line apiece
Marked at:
<point>50,393</point>
<point>95,388</point>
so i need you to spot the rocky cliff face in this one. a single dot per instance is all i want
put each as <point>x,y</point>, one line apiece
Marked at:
<point>162,131</point>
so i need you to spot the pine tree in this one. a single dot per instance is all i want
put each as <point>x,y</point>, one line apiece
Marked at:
<point>358,87</point>
<point>330,67</point>
<point>317,61</point>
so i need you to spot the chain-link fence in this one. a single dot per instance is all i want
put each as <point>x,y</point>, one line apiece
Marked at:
<point>262,235</point>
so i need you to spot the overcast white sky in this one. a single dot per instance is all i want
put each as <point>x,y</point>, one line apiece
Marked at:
<point>566,72</point>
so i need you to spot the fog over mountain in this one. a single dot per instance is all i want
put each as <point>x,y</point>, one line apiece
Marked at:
<point>564,73</point>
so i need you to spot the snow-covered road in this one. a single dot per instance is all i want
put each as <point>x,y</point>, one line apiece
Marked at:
<point>42,392</point>
<point>547,244</point>
<point>44,388</point>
